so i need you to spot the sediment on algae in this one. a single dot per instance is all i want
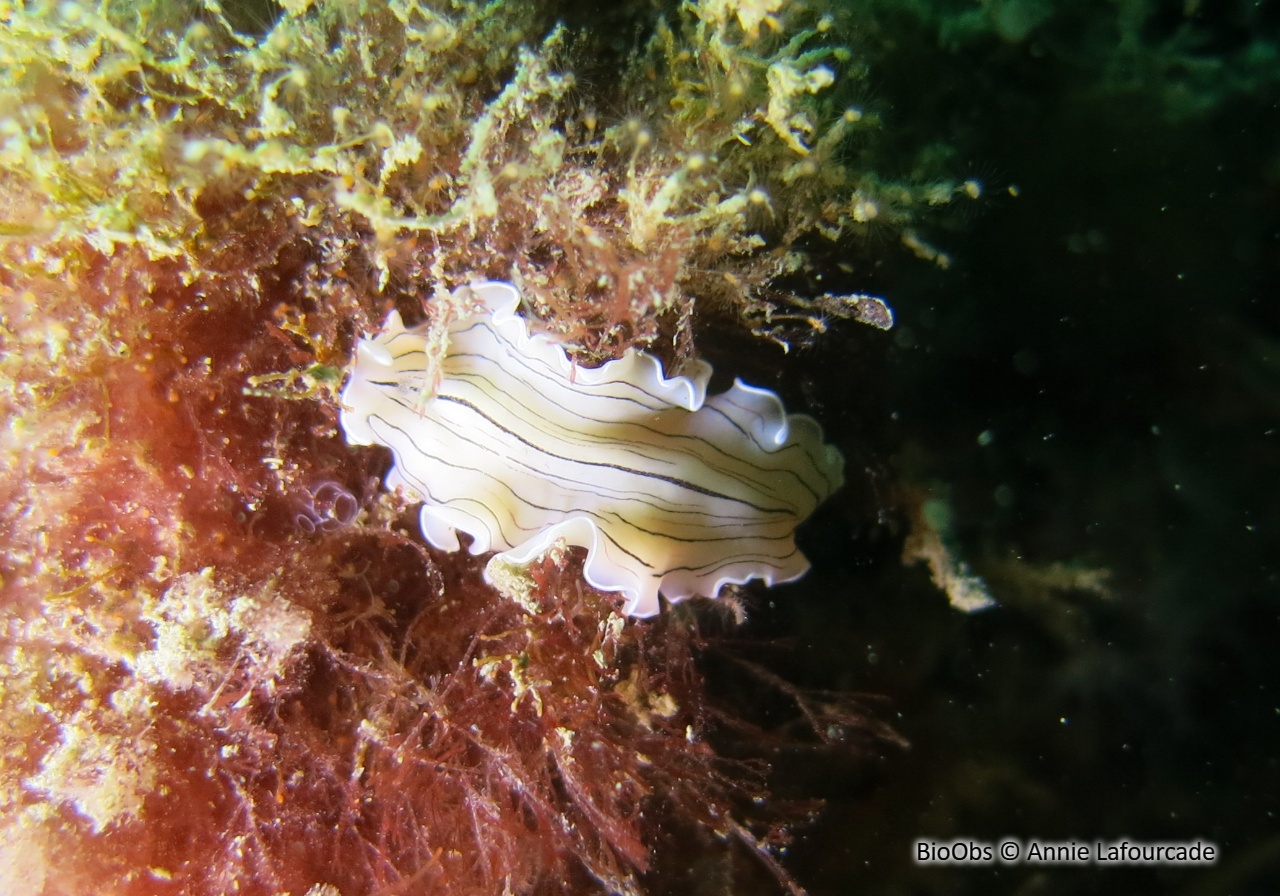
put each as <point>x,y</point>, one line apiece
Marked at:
<point>229,663</point>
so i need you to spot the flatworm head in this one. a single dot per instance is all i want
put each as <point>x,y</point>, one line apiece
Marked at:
<point>670,492</point>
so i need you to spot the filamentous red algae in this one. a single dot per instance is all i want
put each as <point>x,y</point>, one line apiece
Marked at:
<point>209,683</point>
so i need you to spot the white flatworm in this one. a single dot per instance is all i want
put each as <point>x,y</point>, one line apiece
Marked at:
<point>670,492</point>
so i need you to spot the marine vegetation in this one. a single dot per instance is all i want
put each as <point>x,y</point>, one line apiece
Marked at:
<point>230,663</point>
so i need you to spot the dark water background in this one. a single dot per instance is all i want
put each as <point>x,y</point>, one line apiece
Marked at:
<point>1095,382</point>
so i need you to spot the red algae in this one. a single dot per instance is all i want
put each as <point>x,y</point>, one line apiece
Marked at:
<point>228,663</point>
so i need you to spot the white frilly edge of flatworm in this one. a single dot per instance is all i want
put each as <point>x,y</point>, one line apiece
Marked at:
<point>500,301</point>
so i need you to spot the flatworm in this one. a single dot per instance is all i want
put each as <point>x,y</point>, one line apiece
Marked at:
<point>670,492</point>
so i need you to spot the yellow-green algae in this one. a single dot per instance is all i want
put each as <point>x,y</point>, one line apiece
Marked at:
<point>172,187</point>
<point>462,128</point>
